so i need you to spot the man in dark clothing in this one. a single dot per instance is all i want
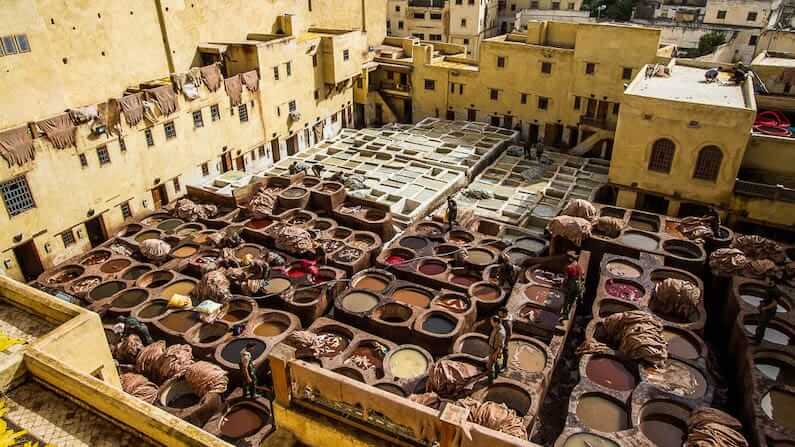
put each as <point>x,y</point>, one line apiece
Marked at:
<point>249,372</point>
<point>507,322</point>
<point>317,169</point>
<point>452,211</point>
<point>572,285</point>
<point>133,326</point>
<point>506,272</point>
<point>767,311</point>
<point>498,343</point>
<point>714,223</point>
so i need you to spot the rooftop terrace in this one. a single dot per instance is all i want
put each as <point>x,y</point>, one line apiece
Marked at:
<point>687,85</point>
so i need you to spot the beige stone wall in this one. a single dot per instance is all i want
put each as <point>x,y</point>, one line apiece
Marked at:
<point>737,12</point>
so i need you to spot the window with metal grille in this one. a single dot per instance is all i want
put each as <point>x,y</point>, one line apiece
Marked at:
<point>261,151</point>
<point>346,55</point>
<point>524,98</point>
<point>590,68</point>
<point>68,237</point>
<point>103,155</point>
<point>150,140</point>
<point>577,103</point>
<point>171,131</point>
<point>242,112</point>
<point>83,160</point>
<point>289,69</point>
<point>662,155</point>
<point>292,106</point>
<point>430,84</point>
<point>205,169</point>
<point>198,119</point>
<point>10,45</point>
<point>22,43</point>
<point>500,62</point>
<point>122,145</point>
<point>494,94</point>
<point>708,163</point>
<point>177,185</point>
<point>215,112</point>
<point>17,195</point>
<point>276,73</point>
<point>751,16</point>
<point>126,211</point>
<point>626,73</point>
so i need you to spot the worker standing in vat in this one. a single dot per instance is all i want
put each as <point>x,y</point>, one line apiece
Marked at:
<point>249,372</point>
<point>506,272</point>
<point>767,311</point>
<point>506,319</point>
<point>131,325</point>
<point>572,285</point>
<point>714,221</point>
<point>498,343</point>
<point>452,211</point>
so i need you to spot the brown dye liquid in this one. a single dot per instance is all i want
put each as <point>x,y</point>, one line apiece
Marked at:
<point>241,422</point>
<point>130,298</point>
<point>602,414</point>
<point>476,346</point>
<point>185,251</point>
<point>588,440</point>
<point>135,272</point>
<point>664,430</point>
<point>464,280</point>
<point>231,353</point>
<point>359,302</point>
<point>437,324</point>
<point>107,289</point>
<point>211,332</point>
<point>184,401</point>
<point>153,310</point>
<point>257,224</point>
<point>270,328</point>
<point>115,266</point>
<point>170,224</point>
<point>486,292</point>
<point>243,251</point>
<point>277,285</point>
<point>414,243</point>
<point>610,373</point>
<point>412,296</point>
<point>370,282</point>
<point>525,356</point>
<point>680,346</point>
<point>293,193</point>
<point>66,275</point>
<point>432,268</point>
<point>236,314</point>
<point>147,235</point>
<point>780,406</point>
<point>640,224</point>
<point>180,321</point>
<point>179,287</point>
<point>480,257</point>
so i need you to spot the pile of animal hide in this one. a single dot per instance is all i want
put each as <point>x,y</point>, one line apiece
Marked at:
<point>204,377</point>
<point>449,378</point>
<point>708,427</point>
<point>677,297</point>
<point>493,415</point>
<point>155,249</point>
<point>636,333</point>
<point>758,247</point>
<point>580,208</point>
<point>139,386</point>
<point>261,204</point>
<point>213,286</point>
<point>608,226</point>
<point>187,210</point>
<point>574,229</point>
<point>294,240</point>
<point>696,228</point>
<point>127,350</point>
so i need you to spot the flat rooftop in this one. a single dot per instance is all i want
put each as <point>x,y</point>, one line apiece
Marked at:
<point>687,84</point>
<point>775,60</point>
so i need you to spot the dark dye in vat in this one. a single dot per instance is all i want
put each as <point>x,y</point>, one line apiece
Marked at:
<point>242,421</point>
<point>432,268</point>
<point>610,373</point>
<point>664,430</point>
<point>107,289</point>
<point>476,346</point>
<point>438,324</point>
<point>184,401</point>
<point>130,298</point>
<point>153,310</point>
<point>464,280</point>
<point>414,243</point>
<point>231,353</point>
<point>180,321</point>
<point>135,272</point>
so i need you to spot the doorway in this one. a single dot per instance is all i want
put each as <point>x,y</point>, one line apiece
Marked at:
<point>291,145</point>
<point>226,162</point>
<point>379,114</point>
<point>307,142</point>
<point>450,115</point>
<point>160,196</point>
<point>532,136</point>
<point>275,152</point>
<point>344,119</point>
<point>28,260</point>
<point>96,230</point>
<point>240,162</point>
<point>472,115</point>
<point>652,203</point>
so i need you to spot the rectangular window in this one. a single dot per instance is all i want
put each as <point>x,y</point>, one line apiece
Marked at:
<point>170,130</point>
<point>500,62</point>
<point>205,169</point>
<point>590,68</point>
<point>150,140</point>
<point>419,15</point>
<point>126,211</point>
<point>103,155</point>
<point>546,67</point>
<point>346,55</point>
<point>122,145</point>
<point>314,60</point>
<point>534,4</point>
<point>198,119</point>
<point>215,112</point>
<point>524,98</point>
<point>288,67</point>
<point>317,94</point>
<point>752,40</point>
<point>452,87</point>
<point>435,37</point>
<point>17,196</point>
<point>576,103</point>
<point>68,237</point>
<point>615,108</point>
<point>242,112</point>
<point>400,24</point>
<point>571,6</point>
<point>555,5</point>
<point>464,23</point>
<point>430,84</point>
<point>22,43</point>
<point>466,41</point>
<point>83,160</point>
<point>495,121</point>
<point>419,36</point>
<point>721,14</point>
<point>543,103</point>
<point>9,45</point>
<point>292,106</point>
<point>177,185</point>
<point>751,17</point>
<point>626,74</point>
<point>276,73</point>
<point>261,151</point>
<point>436,16</point>
<point>494,94</point>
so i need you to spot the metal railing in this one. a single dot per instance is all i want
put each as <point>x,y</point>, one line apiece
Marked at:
<point>593,121</point>
<point>763,190</point>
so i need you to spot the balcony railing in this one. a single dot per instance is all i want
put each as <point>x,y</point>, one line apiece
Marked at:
<point>593,121</point>
<point>770,192</point>
<point>383,85</point>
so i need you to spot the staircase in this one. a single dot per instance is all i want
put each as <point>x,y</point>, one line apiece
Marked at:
<point>588,143</point>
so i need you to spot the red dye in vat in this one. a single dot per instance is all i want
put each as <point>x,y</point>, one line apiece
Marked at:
<point>624,290</point>
<point>302,268</point>
<point>395,259</point>
<point>464,280</point>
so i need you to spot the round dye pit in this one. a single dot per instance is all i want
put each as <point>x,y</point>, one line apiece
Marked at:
<point>129,230</point>
<point>188,229</point>
<point>106,290</point>
<point>680,344</point>
<point>201,238</point>
<point>623,269</point>
<point>130,298</point>
<point>530,244</point>
<point>610,373</point>
<point>65,274</point>
<point>588,440</point>
<point>96,257</point>
<point>538,294</point>
<point>407,363</point>
<point>277,286</point>
<point>772,334</point>
<point>271,328</point>
<point>293,192</point>
<point>350,373</point>
<point>753,296</point>
<point>682,249</point>
<point>486,292</point>
<point>463,280</point>
<point>330,187</point>
<point>135,272</point>
<point>445,250</point>
<point>374,215</point>
<point>432,267</point>
<point>153,310</point>
<point>438,323</point>
<point>155,279</point>
<point>306,296</point>
<point>678,378</point>
<point>310,181</point>
<point>237,311</point>
<point>359,302</point>
<point>342,233</point>
<point>258,223</point>
<point>775,369</point>
<point>513,397</point>
<point>602,413</point>
<point>155,219</point>
<point>298,270</point>
<point>185,251</point>
<point>518,256</point>
<point>664,423</point>
<point>115,266</point>
<point>412,296</point>
<point>348,254</point>
<point>779,405</point>
<point>179,395</point>
<point>460,237</point>
<point>231,352</point>
<point>398,256</point>
<point>362,241</point>
<point>609,307</point>
<point>242,421</point>
<point>374,283</point>
<point>453,303</point>
<point>183,287</point>
<point>145,235</point>
<point>430,229</point>
<point>526,356</point>
<point>252,250</point>
<point>180,321</point>
<point>322,224</point>
<point>477,346</point>
<point>413,242</point>
<point>210,333</point>
<point>170,224</point>
<point>393,313</point>
<point>640,241</point>
<point>623,289</point>
<point>480,256</point>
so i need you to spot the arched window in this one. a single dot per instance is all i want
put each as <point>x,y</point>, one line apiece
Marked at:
<point>662,155</point>
<point>708,163</point>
